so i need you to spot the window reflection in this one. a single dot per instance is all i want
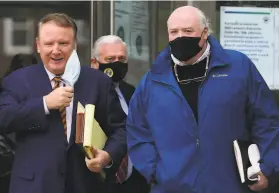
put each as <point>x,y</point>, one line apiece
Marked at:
<point>18,24</point>
<point>131,23</point>
<point>18,35</point>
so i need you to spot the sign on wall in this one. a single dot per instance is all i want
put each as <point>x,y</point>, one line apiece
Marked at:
<point>254,32</point>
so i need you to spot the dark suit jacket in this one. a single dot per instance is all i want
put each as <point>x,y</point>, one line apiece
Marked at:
<point>127,90</point>
<point>136,182</point>
<point>44,162</point>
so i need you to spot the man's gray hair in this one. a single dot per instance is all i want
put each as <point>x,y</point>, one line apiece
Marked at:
<point>108,39</point>
<point>204,22</point>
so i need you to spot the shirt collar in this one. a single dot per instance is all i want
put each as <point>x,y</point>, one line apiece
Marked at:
<point>117,89</point>
<point>50,75</point>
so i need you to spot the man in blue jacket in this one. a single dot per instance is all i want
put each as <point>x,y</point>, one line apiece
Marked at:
<point>190,107</point>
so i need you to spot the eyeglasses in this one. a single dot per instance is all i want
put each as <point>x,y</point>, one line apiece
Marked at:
<point>198,79</point>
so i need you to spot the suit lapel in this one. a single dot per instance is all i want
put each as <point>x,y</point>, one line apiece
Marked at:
<point>42,86</point>
<point>125,91</point>
<point>40,81</point>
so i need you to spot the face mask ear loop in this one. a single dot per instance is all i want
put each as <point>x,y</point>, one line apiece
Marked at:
<point>202,38</point>
<point>97,60</point>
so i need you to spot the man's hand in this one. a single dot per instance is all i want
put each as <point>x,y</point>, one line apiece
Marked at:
<point>61,96</point>
<point>261,184</point>
<point>101,160</point>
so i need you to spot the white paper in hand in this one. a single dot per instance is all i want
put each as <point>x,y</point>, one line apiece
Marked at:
<point>254,157</point>
<point>72,69</point>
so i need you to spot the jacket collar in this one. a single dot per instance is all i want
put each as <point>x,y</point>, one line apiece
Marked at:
<point>219,57</point>
<point>161,69</point>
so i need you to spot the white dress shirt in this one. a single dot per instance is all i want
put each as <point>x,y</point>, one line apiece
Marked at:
<point>69,110</point>
<point>125,109</point>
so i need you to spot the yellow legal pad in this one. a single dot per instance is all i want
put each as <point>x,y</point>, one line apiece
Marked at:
<point>88,131</point>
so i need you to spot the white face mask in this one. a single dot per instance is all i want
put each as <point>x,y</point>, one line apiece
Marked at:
<point>203,56</point>
<point>72,69</point>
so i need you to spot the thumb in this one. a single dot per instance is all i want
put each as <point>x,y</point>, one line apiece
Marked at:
<point>68,89</point>
<point>94,151</point>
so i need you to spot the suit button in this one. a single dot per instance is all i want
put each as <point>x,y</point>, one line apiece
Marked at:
<point>198,142</point>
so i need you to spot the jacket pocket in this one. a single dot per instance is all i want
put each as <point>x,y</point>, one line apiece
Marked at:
<point>25,173</point>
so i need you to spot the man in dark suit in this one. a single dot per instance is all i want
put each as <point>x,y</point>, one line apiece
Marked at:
<point>110,56</point>
<point>7,143</point>
<point>40,106</point>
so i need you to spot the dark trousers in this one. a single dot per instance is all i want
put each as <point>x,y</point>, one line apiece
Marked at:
<point>273,183</point>
<point>5,183</point>
<point>136,183</point>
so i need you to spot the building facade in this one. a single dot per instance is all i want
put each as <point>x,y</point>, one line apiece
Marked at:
<point>141,24</point>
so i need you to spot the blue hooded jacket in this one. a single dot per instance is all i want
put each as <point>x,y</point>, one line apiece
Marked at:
<point>166,144</point>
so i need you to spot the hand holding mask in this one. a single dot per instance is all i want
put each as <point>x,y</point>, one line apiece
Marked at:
<point>72,69</point>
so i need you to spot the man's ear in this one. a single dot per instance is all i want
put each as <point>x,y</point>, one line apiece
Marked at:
<point>37,45</point>
<point>94,63</point>
<point>205,33</point>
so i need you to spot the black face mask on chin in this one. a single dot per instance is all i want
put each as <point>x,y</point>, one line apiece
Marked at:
<point>185,48</point>
<point>115,70</point>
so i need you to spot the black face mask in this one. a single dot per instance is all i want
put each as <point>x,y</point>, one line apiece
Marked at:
<point>116,70</point>
<point>185,48</point>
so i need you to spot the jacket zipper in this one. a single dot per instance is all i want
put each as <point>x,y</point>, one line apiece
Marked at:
<point>199,93</point>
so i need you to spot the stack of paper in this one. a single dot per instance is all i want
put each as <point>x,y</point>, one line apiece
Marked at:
<point>247,158</point>
<point>88,131</point>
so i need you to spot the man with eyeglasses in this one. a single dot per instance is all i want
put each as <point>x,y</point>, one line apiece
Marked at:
<point>190,107</point>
